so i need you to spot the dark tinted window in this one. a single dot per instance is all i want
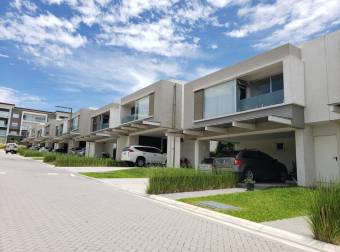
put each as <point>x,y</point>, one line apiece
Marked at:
<point>277,82</point>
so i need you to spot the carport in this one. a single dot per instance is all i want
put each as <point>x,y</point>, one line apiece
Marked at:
<point>275,131</point>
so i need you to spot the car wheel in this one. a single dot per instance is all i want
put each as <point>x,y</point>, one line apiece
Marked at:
<point>140,162</point>
<point>283,175</point>
<point>249,174</point>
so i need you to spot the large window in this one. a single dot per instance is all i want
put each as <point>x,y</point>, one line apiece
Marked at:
<point>142,107</point>
<point>219,100</point>
<point>34,118</point>
<point>75,123</point>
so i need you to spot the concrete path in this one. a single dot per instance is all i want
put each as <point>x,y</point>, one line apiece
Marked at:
<point>134,185</point>
<point>92,169</point>
<point>48,209</point>
<point>298,225</point>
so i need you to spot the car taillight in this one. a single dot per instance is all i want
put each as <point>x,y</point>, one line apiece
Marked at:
<point>130,150</point>
<point>237,162</point>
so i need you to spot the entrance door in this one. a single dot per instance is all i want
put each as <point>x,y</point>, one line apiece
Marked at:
<point>326,157</point>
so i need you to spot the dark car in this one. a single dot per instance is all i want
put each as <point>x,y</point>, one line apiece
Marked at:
<point>255,165</point>
<point>60,150</point>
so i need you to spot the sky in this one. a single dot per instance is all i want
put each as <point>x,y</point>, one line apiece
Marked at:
<point>88,53</point>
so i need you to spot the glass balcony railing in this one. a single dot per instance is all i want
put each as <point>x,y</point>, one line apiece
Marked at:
<point>105,125</point>
<point>134,117</point>
<point>260,101</point>
<point>4,114</point>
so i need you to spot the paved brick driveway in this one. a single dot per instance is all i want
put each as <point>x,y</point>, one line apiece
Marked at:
<point>45,209</point>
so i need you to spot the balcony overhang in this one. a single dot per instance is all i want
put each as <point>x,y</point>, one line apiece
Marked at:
<point>274,119</point>
<point>291,114</point>
<point>334,107</point>
<point>135,127</point>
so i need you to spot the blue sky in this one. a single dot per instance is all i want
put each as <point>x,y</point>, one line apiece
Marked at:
<point>87,53</point>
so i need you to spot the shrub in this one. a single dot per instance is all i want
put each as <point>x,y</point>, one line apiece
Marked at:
<point>184,180</point>
<point>2,146</point>
<point>30,153</point>
<point>78,161</point>
<point>50,157</point>
<point>324,212</point>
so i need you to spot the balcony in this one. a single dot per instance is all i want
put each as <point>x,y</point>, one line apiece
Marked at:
<point>133,117</point>
<point>260,101</point>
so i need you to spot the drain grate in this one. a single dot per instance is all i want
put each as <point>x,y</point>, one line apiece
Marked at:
<point>217,205</point>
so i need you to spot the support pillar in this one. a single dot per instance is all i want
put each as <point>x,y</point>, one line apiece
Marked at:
<point>305,156</point>
<point>202,149</point>
<point>173,151</point>
<point>122,142</point>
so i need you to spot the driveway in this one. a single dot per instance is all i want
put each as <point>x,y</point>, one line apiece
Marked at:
<point>48,209</point>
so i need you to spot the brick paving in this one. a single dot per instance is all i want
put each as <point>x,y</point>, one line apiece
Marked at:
<point>46,209</point>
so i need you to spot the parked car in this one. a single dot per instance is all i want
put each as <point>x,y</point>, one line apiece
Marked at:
<point>78,151</point>
<point>253,164</point>
<point>206,164</point>
<point>60,150</point>
<point>142,155</point>
<point>11,148</point>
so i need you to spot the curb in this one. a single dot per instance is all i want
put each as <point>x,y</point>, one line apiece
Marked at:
<point>292,239</point>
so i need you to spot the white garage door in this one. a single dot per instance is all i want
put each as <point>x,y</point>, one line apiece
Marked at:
<point>326,155</point>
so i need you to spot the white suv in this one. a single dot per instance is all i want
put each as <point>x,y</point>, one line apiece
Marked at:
<point>12,148</point>
<point>142,155</point>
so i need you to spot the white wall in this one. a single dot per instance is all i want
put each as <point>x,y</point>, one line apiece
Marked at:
<point>188,150</point>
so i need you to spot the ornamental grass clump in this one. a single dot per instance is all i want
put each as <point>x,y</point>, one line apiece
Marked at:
<point>30,153</point>
<point>324,212</point>
<point>78,161</point>
<point>50,157</point>
<point>171,180</point>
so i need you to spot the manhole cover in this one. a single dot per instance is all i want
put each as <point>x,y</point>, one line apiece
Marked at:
<point>217,205</point>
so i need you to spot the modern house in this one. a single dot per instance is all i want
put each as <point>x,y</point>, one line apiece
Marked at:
<point>99,139</point>
<point>285,102</point>
<point>69,130</point>
<point>148,114</point>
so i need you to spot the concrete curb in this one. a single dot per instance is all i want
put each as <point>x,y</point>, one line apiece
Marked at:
<point>292,239</point>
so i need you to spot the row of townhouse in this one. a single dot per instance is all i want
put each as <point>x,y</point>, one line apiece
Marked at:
<point>16,122</point>
<point>285,102</point>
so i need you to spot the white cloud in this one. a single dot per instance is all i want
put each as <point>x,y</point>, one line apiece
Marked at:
<point>10,95</point>
<point>3,55</point>
<point>104,71</point>
<point>160,38</point>
<point>214,46</point>
<point>44,36</point>
<point>290,20</point>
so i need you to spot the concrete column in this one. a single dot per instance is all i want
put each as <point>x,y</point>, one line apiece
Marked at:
<point>201,151</point>
<point>122,142</point>
<point>90,149</point>
<point>173,151</point>
<point>305,156</point>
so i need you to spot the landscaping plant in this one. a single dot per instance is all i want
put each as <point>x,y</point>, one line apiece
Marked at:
<point>324,212</point>
<point>78,161</point>
<point>171,180</point>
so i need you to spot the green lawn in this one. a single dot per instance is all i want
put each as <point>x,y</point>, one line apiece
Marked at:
<point>130,173</point>
<point>264,205</point>
<point>38,158</point>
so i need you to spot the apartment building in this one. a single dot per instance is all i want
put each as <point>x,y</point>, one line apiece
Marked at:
<point>16,122</point>
<point>5,115</point>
